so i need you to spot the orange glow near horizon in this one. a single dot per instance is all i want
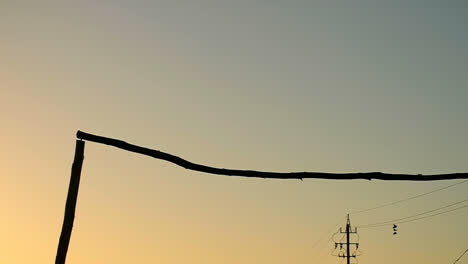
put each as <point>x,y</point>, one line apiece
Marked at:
<point>284,86</point>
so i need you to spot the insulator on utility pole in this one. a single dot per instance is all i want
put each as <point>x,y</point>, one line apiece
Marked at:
<point>348,244</point>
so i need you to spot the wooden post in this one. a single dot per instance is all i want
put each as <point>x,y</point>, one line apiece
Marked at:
<point>266,174</point>
<point>71,203</point>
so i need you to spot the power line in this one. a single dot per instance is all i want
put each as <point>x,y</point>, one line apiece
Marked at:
<point>319,258</point>
<point>322,255</point>
<point>427,216</point>
<point>407,199</point>
<point>411,220</point>
<point>460,256</point>
<point>394,221</point>
<point>327,233</point>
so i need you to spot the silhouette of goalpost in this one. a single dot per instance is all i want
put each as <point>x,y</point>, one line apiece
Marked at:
<point>72,195</point>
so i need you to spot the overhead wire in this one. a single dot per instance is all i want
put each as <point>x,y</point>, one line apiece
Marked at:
<point>319,258</point>
<point>327,233</point>
<point>415,219</point>
<point>407,199</point>
<point>460,256</point>
<point>399,220</point>
<point>341,261</point>
<point>414,215</point>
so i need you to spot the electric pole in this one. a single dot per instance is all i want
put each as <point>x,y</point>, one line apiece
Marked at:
<point>348,244</point>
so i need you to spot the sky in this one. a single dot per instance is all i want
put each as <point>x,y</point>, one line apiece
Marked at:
<point>329,86</point>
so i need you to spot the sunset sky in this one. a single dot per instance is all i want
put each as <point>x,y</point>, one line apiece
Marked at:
<point>280,85</point>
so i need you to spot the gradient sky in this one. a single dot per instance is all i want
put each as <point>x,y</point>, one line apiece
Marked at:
<point>333,86</point>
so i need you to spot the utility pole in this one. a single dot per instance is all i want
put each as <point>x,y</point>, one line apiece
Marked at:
<point>348,244</point>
